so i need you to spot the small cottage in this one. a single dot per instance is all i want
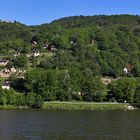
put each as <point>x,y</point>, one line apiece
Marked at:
<point>6,85</point>
<point>34,53</point>
<point>3,62</point>
<point>106,80</point>
<point>46,45</point>
<point>13,70</point>
<point>52,48</point>
<point>92,42</point>
<point>128,68</point>
<point>34,43</point>
<point>7,72</point>
<point>17,54</point>
<point>125,70</point>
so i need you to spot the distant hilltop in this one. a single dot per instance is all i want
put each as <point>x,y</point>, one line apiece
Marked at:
<point>88,20</point>
<point>7,21</point>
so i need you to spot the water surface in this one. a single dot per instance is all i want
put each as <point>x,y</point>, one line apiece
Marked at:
<point>69,125</point>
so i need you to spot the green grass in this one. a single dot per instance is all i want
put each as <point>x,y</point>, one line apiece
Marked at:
<point>75,106</point>
<point>11,107</point>
<point>3,78</point>
<point>84,106</point>
<point>7,107</point>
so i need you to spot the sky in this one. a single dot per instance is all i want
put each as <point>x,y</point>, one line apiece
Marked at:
<point>36,12</point>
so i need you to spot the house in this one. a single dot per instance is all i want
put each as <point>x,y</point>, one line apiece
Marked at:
<point>34,43</point>
<point>92,42</point>
<point>17,54</point>
<point>73,43</point>
<point>7,72</point>
<point>79,93</point>
<point>52,48</point>
<point>106,80</point>
<point>13,70</point>
<point>46,45</point>
<point>125,70</point>
<point>128,68</point>
<point>3,62</point>
<point>34,53</point>
<point>7,21</point>
<point>6,85</point>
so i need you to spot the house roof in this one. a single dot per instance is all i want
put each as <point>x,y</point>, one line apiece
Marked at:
<point>129,67</point>
<point>1,61</point>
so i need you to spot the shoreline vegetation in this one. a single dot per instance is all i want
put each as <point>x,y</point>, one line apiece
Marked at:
<point>86,106</point>
<point>77,106</point>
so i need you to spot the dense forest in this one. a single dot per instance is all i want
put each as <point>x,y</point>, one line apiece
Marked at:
<point>74,54</point>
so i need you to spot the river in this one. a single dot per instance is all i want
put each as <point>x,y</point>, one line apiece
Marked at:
<point>69,125</point>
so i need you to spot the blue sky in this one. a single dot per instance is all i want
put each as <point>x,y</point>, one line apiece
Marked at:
<point>33,12</point>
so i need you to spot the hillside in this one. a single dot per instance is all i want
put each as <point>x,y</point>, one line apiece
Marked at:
<point>101,20</point>
<point>108,41</point>
<point>103,44</point>
<point>69,55</point>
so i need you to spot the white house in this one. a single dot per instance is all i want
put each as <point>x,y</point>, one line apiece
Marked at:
<point>79,93</point>
<point>34,43</point>
<point>3,62</point>
<point>125,70</point>
<point>71,42</point>
<point>6,85</point>
<point>13,70</point>
<point>34,54</point>
<point>17,54</point>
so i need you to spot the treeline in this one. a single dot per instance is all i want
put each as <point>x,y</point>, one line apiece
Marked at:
<point>14,37</point>
<point>68,85</point>
<point>11,97</point>
<point>100,20</point>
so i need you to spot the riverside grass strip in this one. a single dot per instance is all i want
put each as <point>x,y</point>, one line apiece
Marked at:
<point>85,106</point>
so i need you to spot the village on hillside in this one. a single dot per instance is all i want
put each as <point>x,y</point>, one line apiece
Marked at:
<point>7,70</point>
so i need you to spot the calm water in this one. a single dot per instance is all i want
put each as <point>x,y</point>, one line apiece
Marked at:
<point>69,125</point>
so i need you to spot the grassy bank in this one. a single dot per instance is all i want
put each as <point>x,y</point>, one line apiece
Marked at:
<point>85,106</point>
<point>12,107</point>
<point>75,106</point>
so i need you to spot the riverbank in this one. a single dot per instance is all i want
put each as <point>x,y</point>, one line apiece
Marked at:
<point>86,106</point>
<point>13,107</point>
<point>78,106</point>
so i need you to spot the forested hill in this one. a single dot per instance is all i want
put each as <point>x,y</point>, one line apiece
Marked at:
<point>13,36</point>
<point>84,58</point>
<point>101,20</point>
<point>97,45</point>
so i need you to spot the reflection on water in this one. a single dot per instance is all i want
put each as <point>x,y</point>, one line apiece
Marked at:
<point>69,125</point>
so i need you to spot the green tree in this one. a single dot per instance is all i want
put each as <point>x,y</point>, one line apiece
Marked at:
<point>39,102</point>
<point>94,90</point>
<point>3,97</point>
<point>20,61</point>
<point>31,99</point>
<point>123,89</point>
